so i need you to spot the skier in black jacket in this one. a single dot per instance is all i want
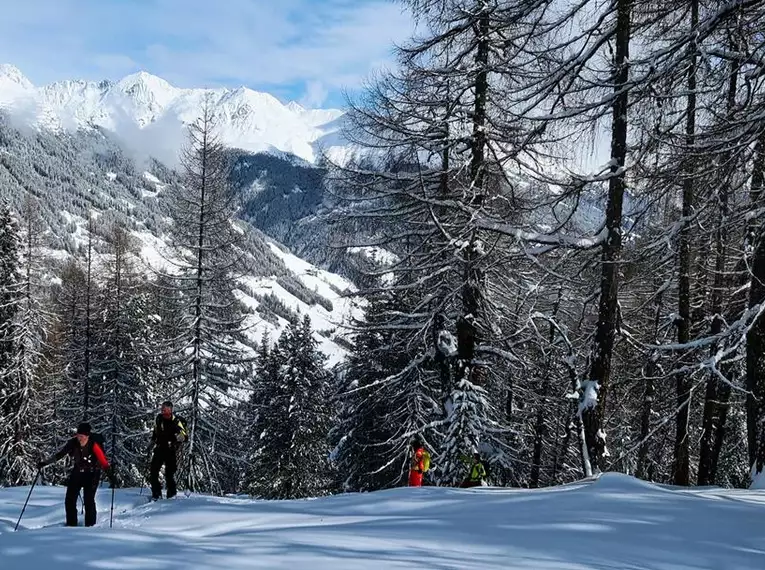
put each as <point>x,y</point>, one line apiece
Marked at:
<point>169,431</point>
<point>89,459</point>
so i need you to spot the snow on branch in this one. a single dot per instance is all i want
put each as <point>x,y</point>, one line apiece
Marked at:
<point>557,239</point>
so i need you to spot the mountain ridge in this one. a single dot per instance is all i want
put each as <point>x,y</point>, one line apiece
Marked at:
<point>142,108</point>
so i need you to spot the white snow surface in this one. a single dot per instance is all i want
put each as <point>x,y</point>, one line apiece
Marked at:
<point>615,522</point>
<point>758,479</point>
<point>150,114</point>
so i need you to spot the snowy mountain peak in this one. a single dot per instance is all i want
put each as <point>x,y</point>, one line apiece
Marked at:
<point>255,99</point>
<point>141,102</point>
<point>143,85</point>
<point>11,79</point>
<point>13,73</point>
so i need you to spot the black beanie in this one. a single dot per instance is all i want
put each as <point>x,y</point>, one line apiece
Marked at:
<point>167,404</point>
<point>83,429</point>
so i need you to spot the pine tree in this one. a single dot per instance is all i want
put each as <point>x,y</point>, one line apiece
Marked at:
<point>75,307</point>
<point>306,465</point>
<point>30,331</point>
<point>447,147</point>
<point>124,374</point>
<point>263,464</point>
<point>385,396</point>
<point>207,357</point>
<point>72,304</point>
<point>292,458</point>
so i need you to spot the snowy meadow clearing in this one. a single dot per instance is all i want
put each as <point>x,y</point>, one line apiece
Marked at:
<point>616,522</point>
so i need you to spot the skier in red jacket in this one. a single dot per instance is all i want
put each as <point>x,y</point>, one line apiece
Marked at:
<point>418,467</point>
<point>89,459</point>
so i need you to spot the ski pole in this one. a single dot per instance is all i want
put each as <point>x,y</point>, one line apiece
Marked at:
<point>113,481</point>
<point>111,514</point>
<point>27,501</point>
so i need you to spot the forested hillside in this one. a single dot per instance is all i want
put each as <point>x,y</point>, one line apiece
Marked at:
<point>553,214</point>
<point>98,318</point>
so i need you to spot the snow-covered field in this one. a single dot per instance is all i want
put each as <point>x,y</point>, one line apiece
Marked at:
<point>614,523</point>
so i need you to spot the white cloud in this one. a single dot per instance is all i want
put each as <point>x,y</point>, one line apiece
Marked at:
<point>315,95</point>
<point>323,45</point>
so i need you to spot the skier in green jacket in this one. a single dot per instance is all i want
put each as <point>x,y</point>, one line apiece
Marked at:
<point>477,471</point>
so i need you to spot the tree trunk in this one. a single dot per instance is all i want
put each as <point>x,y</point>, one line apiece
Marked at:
<point>714,418</point>
<point>88,340</point>
<point>199,292</point>
<point>682,462</point>
<point>755,340</point>
<point>467,326</point>
<point>648,396</point>
<point>596,386</point>
<point>540,427</point>
<point>118,251</point>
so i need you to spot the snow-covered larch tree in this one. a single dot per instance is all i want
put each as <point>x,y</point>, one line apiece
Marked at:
<point>206,356</point>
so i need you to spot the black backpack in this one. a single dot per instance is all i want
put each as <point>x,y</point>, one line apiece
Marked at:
<point>100,440</point>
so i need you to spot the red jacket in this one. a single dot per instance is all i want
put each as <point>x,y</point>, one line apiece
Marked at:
<point>415,473</point>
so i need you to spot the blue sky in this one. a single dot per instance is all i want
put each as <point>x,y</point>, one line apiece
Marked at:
<point>303,50</point>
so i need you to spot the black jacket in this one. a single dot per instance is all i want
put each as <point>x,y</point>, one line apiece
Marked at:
<point>86,459</point>
<point>166,431</point>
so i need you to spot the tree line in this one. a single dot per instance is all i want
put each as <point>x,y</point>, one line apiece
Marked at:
<point>571,192</point>
<point>102,338</point>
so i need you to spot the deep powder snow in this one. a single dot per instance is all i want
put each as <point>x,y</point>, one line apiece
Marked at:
<point>614,523</point>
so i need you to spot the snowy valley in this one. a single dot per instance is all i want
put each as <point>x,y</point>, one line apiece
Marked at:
<point>123,128</point>
<point>83,172</point>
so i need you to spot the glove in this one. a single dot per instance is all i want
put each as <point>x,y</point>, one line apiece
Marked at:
<point>180,438</point>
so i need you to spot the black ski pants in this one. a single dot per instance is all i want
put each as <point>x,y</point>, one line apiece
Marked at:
<point>163,456</point>
<point>87,482</point>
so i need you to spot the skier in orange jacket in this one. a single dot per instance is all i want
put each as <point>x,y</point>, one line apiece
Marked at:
<point>420,463</point>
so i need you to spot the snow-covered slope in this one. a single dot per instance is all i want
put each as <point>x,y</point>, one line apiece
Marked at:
<point>615,523</point>
<point>142,108</point>
<point>293,287</point>
<point>87,173</point>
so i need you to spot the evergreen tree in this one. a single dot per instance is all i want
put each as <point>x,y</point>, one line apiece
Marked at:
<point>69,333</point>
<point>205,353</point>
<point>30,332</point>
<point>263,464</point>
<point>385,397</point>
<point>122,337</point>
<point>254,415</point>
<point>293,454</point>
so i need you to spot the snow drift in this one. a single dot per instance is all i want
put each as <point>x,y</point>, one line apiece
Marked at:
<point>614,523</point>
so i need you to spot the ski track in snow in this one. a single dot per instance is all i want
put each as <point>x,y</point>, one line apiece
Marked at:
<point>614,523</point>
